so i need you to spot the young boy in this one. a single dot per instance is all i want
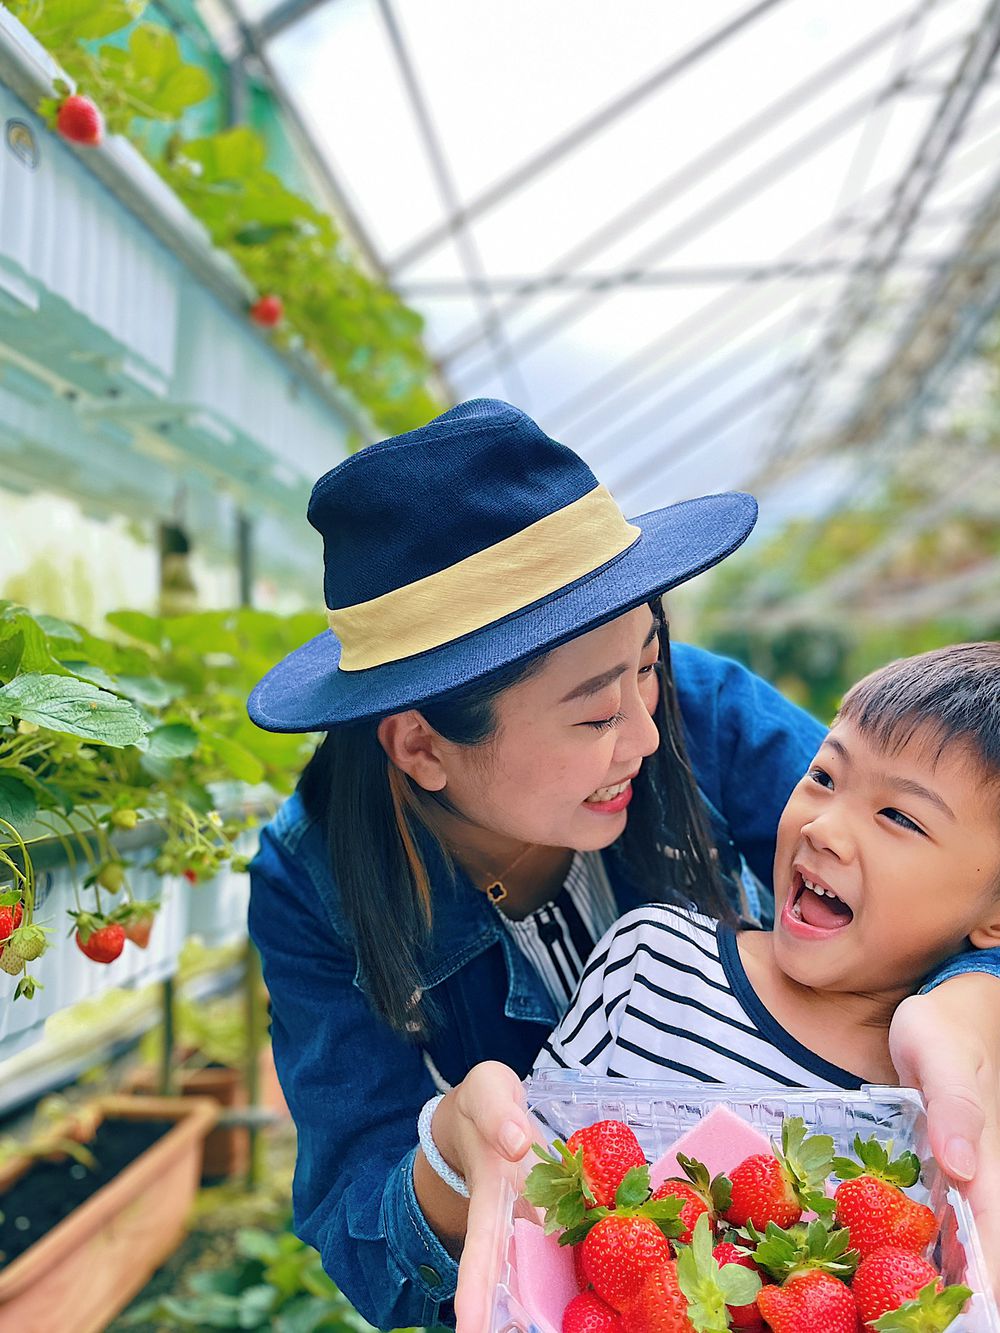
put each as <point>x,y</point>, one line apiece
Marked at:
<point>887,862</point>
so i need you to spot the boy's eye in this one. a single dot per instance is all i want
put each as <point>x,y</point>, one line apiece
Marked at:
<point>821,776</point>
<point>607,723</point>
<point>904,821</point>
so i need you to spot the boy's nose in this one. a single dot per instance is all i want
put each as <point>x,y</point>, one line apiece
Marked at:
<point>830,834</point>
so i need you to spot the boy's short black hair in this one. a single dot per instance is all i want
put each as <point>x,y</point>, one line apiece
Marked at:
<point>950,694</point>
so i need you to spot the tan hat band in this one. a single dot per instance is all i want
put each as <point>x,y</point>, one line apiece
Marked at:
<point>484,587</point>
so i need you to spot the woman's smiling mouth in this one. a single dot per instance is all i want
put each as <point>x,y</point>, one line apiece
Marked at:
<point>612,799</point>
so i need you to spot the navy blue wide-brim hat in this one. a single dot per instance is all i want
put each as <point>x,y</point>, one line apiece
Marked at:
<point>466,546</point>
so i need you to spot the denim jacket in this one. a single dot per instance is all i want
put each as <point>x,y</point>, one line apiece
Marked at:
<point>355,1087</point>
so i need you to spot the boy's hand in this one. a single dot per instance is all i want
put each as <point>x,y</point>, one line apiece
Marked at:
<point>947,1044</point>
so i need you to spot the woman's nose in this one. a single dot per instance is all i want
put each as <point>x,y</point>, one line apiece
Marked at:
<point>641,735</point>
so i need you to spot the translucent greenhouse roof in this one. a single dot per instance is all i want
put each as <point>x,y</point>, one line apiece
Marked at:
<point>700,243</point>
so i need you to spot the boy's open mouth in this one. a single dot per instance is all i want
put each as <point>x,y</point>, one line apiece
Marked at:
<point>817,905</point>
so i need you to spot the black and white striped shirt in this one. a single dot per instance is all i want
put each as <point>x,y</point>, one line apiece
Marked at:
<point>665,996</point>
<point>559,937</point>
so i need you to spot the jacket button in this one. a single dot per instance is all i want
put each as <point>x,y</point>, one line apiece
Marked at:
<point>430,1275</point>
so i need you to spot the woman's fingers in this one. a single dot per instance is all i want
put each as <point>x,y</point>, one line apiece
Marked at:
<point>982,1195</point>
<point>954,1070</point>
<point>946,1044</point>
<point>492,1134</point>
<point>490,1203</point>
<point>492,1098</point>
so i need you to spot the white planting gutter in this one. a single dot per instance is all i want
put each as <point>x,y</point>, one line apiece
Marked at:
<point>28,70</point>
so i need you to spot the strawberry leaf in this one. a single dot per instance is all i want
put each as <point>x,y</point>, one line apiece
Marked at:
<point>876,1160</point>
<point>634,1187</point>
<point>739,1285</point>
<point>930,1311</point>
<point>721,1193</point>
<point>665,1213</point>
<point>696,1172</point>
<point>570,1211</point>
<point>577,1234</point>
<point>17,801</point>
<point>698,1276</point>
<point>65,704</point>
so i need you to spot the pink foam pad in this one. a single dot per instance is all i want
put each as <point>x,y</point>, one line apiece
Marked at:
<point>721,1140</point>
<point>545,1279</point>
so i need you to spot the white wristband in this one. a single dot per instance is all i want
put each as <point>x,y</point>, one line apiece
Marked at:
<point>434,1159</point>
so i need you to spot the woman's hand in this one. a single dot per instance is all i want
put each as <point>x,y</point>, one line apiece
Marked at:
<point>482,1131</point>
<point>947,1044</point>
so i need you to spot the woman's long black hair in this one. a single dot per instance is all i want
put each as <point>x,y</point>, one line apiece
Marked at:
<point>372,815</point>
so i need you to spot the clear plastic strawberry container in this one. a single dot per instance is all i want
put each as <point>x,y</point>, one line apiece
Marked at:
<point>659,1113</point>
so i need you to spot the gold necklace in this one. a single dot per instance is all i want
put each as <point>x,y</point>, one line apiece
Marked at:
<point>496,890</point>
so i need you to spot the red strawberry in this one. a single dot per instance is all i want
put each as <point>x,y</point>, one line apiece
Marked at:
<point>139,930</point>
<point>870,1200</point>
<point>809,1303</point>
<point>762,1193</point>
<point>587,1313</point>
<point>102,943</point>
<point>699,1193</point>
<point>268,312</point>
<point>10,919</point>
<point>659,1306</point>
<point>693,1207</point>
<point>896,1278</point>
<point>191,876</point>
<point>610,1149</point>
<point>137,919</point>
<point>691,1294</point>
<point>618,1252</point>
<point>581,1279</point>
<point>778,1187</point>
<point>740,1316</point>
<point>80,121</point>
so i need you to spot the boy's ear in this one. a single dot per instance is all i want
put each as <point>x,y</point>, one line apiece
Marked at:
<point>987,934</point>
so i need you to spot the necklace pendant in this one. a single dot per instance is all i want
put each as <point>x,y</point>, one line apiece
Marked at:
<point>496,892</point>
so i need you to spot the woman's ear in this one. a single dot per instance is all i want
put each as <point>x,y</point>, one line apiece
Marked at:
<point>415,748</point>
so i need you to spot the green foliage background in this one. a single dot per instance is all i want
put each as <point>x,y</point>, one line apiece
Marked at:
<point>148,89</point>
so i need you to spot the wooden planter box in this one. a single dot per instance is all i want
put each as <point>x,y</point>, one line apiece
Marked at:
<point>227,1148</point>
<point>89,1266</point>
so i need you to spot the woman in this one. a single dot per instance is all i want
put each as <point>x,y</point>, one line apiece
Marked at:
<point>505,772</point>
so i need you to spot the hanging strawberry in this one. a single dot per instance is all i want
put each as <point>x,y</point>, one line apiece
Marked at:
<point>268,311</point>
<point>101,939</point>
<point>79,121</point>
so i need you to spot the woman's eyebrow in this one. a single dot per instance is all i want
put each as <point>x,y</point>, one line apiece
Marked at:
<point>597,683</point>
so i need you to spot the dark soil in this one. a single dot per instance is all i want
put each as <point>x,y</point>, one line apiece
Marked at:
<point>51,1190</point>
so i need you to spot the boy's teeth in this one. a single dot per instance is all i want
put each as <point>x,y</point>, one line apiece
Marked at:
<point>818,889</point>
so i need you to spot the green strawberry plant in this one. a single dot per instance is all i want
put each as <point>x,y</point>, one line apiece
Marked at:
<point>100,734</point>
<point>136,73</point>
<point>276,1283</point>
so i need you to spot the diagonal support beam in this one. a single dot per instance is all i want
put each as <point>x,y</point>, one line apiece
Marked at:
<point>862,294</point>
<point>542,161</point>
